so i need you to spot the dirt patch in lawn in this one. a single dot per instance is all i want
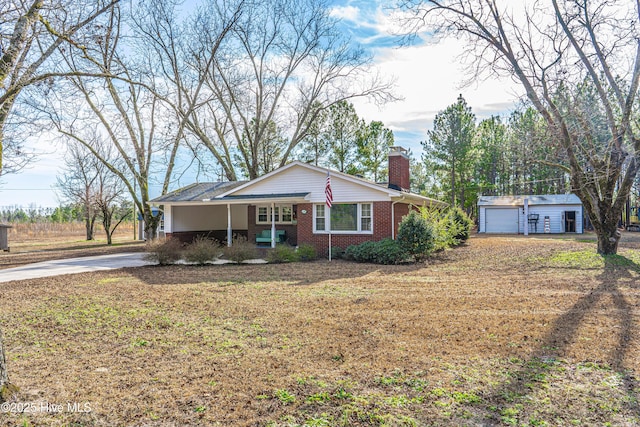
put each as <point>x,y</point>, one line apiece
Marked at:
<point>501,331</point>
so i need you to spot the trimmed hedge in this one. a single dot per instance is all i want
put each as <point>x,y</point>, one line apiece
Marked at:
<point>307,253</point>
<point>282,253</point>
<point>386,251</point>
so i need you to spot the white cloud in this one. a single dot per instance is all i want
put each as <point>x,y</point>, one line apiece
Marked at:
<point>347,13</point>
<point>429,78</point>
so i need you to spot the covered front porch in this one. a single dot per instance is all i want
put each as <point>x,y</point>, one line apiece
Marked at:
<point>265,220</point>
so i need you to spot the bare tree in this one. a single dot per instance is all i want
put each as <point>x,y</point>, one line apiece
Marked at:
<point>579,64</point>
<point>88,182</point>
<point>255,64</point>
<point>183,65</point>
<point>111,202</point>
<point>31,34</point>
<point>123,112</point>
<point>77,184</point>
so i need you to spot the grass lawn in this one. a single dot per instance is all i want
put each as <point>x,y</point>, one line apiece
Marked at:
<point>502,331</point>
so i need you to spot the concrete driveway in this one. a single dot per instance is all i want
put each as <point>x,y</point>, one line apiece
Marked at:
<point>74,265</point>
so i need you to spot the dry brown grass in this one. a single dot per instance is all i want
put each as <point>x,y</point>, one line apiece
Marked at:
<point>31,243</point>
<point>41,232</point>
<point>502,331</point>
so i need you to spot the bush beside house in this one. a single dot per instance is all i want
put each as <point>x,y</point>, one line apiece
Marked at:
<point>419,235</point>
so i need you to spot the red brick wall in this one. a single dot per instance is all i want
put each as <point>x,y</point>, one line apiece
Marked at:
<point>400,210</point>
<point>219,235</point>
<point>291,231</point>
<point>381,227</point>
<point>399,170</point>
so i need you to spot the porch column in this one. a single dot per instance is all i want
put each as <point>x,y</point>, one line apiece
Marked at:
<point>229,228</point>
<point>168,220</point>
<point>273,225</point>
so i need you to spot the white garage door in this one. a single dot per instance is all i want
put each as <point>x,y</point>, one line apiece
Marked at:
<point>498,220</point>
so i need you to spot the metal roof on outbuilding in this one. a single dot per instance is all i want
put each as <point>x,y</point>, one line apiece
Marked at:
<point>545,199</point>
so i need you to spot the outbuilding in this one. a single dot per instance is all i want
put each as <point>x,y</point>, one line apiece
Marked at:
<point>550,213</point>
<point>4,237</point>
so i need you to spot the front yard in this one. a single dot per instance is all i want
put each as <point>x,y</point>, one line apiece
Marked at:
<point>501,331</point>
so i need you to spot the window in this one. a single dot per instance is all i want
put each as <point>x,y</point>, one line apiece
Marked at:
<point>345,218</point>
<point>365,217</point>
<point>263,214</point>
<point>320,219</point>
<point>287,213</point>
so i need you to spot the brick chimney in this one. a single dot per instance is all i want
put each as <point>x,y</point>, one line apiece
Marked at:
<point>399,169</point>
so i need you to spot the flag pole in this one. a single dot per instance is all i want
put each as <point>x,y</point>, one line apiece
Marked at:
<point>328,201</point>
<point>329,234</point>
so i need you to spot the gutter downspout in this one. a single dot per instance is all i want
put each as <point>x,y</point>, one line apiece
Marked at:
<point>525,221</point>
<point>393,218</point>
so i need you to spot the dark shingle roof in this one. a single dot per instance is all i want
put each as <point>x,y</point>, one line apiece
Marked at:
<point>210,190</point>
<point>198,192</point>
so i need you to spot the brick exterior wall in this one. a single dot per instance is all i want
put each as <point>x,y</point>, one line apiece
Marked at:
<point>400,210</point>
<point>291,230</point>
<point>381,227</point>
<point>219,235</point>
<point>399,169</point>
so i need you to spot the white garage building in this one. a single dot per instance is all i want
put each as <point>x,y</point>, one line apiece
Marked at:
<point>558,213</point>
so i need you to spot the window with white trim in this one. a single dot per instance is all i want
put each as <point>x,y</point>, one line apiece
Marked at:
<point>365,217</point>
<point>345,218</point>
<point>319,221</point>
<point>283,214</point>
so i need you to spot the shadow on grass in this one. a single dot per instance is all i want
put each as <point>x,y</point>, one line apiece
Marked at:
<point>618,270</point>
<point>291,274</point>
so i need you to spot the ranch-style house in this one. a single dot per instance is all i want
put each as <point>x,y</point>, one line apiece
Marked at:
<point>288,205</point>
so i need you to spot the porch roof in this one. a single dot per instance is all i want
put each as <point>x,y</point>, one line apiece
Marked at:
<point>197,192</point>
<point>202,196</point>
<point>266,196</point>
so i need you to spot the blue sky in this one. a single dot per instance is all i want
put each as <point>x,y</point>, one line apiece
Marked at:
<point>428,78</point>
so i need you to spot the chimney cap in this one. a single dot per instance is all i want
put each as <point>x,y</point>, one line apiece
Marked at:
<point>397,150</point>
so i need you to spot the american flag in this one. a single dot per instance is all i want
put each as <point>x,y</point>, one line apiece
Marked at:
<point>327,191</point>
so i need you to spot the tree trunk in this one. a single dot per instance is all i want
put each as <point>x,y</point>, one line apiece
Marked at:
<point>6,388</point>
<point>604,221</point>
<point>608,237</point>
<point>87,226</point>
<point>453,186</point>
<point>106,223</point>
<point>90,223</point>
<point>150,223</point>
